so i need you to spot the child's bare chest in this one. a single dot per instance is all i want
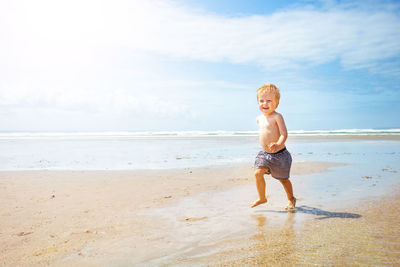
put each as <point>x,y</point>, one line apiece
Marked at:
<point>267,124</point>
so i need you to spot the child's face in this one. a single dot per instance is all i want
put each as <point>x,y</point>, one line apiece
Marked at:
<point>267,103</point>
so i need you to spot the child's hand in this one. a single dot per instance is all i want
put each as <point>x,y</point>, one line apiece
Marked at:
<point>273,147</point>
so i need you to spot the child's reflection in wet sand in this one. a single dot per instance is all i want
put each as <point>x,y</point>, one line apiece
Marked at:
<point>274,245</point>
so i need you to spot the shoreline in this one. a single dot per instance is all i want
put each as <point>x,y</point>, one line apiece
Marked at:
<point>118,218</point>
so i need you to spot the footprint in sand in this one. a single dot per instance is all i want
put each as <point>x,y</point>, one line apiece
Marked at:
<point>193,219</point>
<point>24,233</point>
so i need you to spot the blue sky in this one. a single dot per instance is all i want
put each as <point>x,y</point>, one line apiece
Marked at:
<point>196,65</point>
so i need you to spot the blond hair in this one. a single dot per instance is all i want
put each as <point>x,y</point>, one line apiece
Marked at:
<point>269,88</point>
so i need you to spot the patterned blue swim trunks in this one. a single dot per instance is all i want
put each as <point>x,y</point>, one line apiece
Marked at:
<point>278,163</point>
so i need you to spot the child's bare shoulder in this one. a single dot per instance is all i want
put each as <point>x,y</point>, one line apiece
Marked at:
<point>277,116</point>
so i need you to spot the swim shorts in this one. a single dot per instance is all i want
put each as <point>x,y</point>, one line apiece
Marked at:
<point>278,163</point>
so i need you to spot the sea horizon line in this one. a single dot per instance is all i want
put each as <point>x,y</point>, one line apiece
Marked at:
<point>192,133</point>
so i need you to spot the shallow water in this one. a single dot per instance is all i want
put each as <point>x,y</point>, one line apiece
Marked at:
<point>200,225</point>
<point>155,152</point>
<point>116,153</point>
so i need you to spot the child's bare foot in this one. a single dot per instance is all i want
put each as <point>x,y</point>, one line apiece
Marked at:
<point>292,204</point>
<point>259,202</point>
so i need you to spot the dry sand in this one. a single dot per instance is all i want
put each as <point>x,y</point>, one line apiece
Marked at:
<point>92,218</point>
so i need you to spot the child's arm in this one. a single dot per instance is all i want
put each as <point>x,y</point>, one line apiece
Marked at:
<point>282,133</point>
<point>282,130</point>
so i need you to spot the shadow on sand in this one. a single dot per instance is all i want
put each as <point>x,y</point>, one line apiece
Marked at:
<point>315,211</point>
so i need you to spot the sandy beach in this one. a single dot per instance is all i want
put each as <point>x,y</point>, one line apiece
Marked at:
<point>65,218</point>
<point>346,214</point>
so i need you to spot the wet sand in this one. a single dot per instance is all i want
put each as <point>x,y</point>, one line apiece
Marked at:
<point>363,235</point>
<point>196,216</point>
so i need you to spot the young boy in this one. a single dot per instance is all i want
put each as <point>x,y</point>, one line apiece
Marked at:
<point>274,159</point>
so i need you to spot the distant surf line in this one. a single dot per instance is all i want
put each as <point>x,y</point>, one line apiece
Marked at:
<point>150,134</point>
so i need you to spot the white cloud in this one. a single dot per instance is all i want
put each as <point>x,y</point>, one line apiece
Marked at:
<point>48,32</point>
<point>358,37</point>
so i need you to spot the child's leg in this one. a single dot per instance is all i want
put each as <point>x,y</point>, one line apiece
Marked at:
<point>287,185</point>
<point>260,183</point>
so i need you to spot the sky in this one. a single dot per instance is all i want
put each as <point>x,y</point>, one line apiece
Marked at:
<point>178,65</point>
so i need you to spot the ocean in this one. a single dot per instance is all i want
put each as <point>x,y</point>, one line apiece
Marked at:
<point>175,149</point>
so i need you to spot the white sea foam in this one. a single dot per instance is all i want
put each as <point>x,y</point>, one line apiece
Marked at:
<point>345,132</point>
<point>152,134</point>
